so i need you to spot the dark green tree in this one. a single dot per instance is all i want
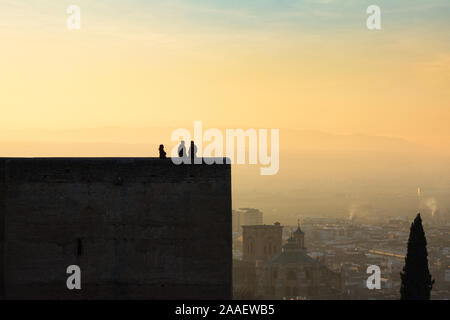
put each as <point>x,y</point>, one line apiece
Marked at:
<point>416,277</point>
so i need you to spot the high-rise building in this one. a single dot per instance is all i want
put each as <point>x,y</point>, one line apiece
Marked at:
<point>246,217</point>
<point>250,217</point>
<point>236,224</point>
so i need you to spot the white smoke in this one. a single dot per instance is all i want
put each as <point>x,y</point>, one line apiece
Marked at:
<point>431,203</point>
<point>419,199</point>
<point>352,212</point>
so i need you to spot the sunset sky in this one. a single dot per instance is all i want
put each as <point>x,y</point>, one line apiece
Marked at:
<point>359,111</point>
<point>308,64</point>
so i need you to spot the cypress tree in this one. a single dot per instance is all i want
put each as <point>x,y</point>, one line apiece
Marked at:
<point>416,277</point>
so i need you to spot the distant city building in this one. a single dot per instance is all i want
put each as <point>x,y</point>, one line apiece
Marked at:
<point>246,217</point>
<point>335,264</point>
<point>236,223</point>
<point>293,274</point>
<point>244,279</point>
<point>447,275</point>
<point>261,242</point>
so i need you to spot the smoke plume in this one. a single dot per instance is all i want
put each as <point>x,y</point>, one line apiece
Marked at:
<point>432,205</point>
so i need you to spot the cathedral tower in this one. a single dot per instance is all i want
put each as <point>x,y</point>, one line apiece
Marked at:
<point>299,236</point>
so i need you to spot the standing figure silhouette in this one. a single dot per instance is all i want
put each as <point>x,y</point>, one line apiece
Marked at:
<point>182,150</point>
<point>193,152</point>
<point>162,153</point>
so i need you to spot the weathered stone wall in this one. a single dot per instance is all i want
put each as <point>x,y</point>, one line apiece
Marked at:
<point>138,228</point>
<point>261,242</point>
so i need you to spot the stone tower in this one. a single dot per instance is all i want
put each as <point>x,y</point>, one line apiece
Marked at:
<point>299,236</point>
<point>261,242</point>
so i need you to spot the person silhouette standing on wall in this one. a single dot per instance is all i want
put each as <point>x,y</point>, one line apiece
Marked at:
<point>182,150</point>
<point>162,153</point>
<point>193,151</point>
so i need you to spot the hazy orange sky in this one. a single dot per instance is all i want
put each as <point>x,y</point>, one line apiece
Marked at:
<point>364,116</point>
<point>310,65</point>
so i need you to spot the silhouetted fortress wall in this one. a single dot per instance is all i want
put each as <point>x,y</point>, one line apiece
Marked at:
<point>138,228</point>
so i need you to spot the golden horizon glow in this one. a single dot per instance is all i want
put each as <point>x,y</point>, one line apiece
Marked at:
<point>337,79</point>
